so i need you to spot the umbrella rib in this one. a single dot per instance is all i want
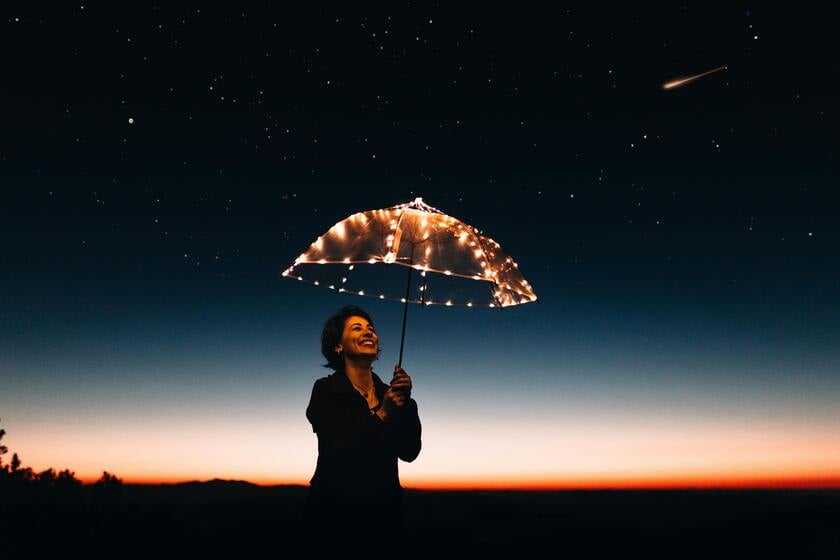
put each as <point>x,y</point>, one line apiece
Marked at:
<point>484,252</point>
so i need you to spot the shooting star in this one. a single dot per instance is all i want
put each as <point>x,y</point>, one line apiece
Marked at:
<point>682,81</point>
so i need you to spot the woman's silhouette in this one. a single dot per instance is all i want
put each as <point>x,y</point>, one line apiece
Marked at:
<point>363,427</point>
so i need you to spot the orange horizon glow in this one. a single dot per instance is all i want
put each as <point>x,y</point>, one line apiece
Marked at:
<point>608,452</point>
<point>827,481</point>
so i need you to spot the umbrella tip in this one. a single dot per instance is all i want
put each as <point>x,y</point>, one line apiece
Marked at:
<point>418,200</point>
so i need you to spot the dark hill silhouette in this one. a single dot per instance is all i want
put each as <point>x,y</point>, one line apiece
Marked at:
<point>238,517</point>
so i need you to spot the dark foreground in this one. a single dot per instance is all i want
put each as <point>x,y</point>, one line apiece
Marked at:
<point>221,517</point>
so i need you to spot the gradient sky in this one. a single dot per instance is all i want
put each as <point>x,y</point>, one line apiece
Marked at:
<point>160,167</point>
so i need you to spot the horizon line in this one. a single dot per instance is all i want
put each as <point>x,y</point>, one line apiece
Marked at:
<point>821,483</point>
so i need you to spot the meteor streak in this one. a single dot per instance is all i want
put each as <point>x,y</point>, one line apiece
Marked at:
<point>683,81</point>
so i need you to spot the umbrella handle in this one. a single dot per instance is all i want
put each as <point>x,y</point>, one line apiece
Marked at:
<point>405,315</point>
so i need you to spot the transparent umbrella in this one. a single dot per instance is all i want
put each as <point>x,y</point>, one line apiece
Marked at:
<point>368,254</point>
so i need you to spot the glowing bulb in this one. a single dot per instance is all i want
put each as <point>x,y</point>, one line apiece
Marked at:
<point>361,292</point>
<point>381,296</point>
<point>449,303</point>
<point>322,261</point>
<point>469,304</point>
<point>371,261</point>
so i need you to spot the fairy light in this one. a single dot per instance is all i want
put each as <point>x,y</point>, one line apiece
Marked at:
<point>346,260</point>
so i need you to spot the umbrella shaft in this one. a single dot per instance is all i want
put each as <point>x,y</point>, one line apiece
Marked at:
<point>405,315</point>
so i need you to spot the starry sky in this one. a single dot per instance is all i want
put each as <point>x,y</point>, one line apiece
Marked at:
<point>160,166</point>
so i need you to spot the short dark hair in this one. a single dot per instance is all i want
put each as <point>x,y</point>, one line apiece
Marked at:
<point>331,335</point>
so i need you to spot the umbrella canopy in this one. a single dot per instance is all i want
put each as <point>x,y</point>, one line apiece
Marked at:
<point>413,236</point>
<point>420,237</point>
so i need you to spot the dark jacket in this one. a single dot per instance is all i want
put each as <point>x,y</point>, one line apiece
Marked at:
<point>357,451</point>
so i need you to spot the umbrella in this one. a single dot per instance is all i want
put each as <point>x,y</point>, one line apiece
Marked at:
<point>413,236</point>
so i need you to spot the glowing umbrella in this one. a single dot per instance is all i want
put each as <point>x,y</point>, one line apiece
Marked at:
<point>417,236</point>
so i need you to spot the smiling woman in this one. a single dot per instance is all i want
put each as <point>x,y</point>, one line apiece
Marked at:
<point>363,427</point>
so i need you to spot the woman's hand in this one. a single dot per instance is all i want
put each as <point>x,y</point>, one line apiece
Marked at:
<point>398,393</point>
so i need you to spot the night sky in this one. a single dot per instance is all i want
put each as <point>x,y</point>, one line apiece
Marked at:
<point>161,166</point>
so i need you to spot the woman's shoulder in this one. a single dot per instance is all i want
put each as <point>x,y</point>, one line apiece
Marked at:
<point>331,381</point>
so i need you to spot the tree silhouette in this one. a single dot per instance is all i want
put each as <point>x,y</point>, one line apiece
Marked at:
<point>3,451</point>
<point>108,480</point>
<point>15,474</point>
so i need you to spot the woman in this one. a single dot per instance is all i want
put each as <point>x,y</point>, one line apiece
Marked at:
<point>363,427</point>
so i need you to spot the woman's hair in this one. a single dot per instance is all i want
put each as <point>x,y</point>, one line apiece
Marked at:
<point>331,335</point>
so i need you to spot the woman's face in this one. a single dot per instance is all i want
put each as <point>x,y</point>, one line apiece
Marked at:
<point>359,338</point>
